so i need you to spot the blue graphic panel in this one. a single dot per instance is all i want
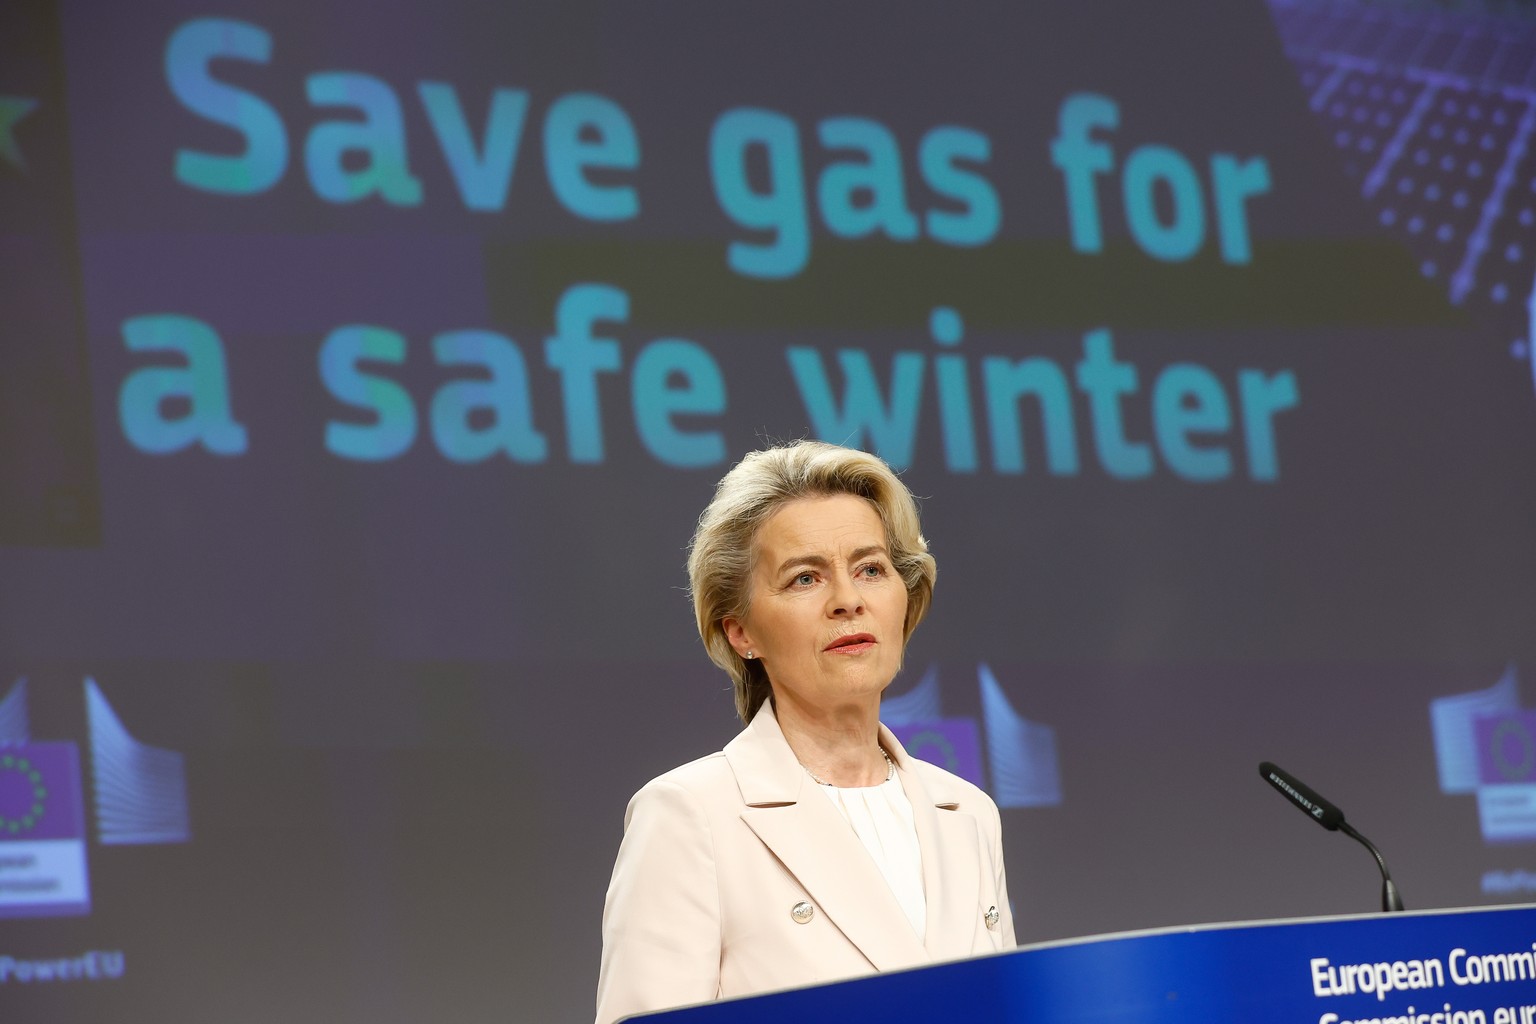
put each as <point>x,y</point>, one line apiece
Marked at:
<point>1025,772</point>
<point>1506,748</point>
<point>43,870</point>
<point>1453,721</point>
<point>919,704</point>
<point>14,726</point>
<point>1485,745</point>
<point>141,791</point>
<point>951,743</point>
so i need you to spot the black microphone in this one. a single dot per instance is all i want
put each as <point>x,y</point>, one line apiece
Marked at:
<point>1332,819</point>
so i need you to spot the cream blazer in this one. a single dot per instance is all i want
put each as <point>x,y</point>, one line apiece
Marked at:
<point>718,852</point>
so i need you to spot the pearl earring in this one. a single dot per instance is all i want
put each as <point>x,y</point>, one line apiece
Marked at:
<point>751,655</point>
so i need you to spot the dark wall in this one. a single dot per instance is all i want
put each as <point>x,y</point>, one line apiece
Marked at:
<point>363,370</point>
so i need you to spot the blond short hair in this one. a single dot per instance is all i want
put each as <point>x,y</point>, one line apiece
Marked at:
<point>721,554</point>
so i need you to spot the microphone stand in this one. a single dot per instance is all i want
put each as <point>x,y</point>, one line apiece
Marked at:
<point>1390,899</point>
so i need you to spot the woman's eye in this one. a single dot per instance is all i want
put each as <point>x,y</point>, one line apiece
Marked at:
<point>805,579</point>
<point>873,569</point>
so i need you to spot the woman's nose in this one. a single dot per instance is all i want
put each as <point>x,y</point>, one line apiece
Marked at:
<point>844,598</point>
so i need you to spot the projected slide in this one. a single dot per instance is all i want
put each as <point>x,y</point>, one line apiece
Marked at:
<point>364,369</point>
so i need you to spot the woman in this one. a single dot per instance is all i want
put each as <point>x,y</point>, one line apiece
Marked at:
<point>813,847</point>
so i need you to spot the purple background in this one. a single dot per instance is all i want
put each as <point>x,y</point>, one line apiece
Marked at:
<point>414,697</point>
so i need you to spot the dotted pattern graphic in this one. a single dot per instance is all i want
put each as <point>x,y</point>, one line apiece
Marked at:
<point>26,796</point>
<point>1433,115</point>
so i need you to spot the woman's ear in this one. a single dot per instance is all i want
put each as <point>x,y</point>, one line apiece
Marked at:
<point>736,635</point>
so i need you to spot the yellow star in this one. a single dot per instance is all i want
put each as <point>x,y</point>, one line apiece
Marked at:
<point>12,110</point>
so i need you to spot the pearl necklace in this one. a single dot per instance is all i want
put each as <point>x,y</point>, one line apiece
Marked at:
<point>890,771</point>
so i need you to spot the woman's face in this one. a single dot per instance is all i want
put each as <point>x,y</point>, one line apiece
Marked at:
<point>826,606</point>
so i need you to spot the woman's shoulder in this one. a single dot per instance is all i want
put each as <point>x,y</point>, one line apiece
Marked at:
<point>709,770</point>
<point>701,795</point>
<point>701,780</point>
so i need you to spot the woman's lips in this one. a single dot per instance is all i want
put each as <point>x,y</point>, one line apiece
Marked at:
<point>854,643</point>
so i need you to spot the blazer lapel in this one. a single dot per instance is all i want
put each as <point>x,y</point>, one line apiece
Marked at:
<point>951,857</point>
<point>815,844</point>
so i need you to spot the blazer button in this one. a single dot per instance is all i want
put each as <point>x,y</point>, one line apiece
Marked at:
<point>991,917</point>
<point>802,912</point>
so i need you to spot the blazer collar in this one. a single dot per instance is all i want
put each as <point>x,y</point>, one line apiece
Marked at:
<point>768,773</point>
<point>765,768</point>
<point>815,844</point>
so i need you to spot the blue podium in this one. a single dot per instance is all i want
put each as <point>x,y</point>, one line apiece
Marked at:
<point>1428,967</point>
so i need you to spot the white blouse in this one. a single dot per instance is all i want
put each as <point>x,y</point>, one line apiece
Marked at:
<point>881,817</point>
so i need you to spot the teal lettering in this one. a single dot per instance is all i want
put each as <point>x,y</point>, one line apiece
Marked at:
<point>948,329</point>
<point>1234,183</point>
<point>780,210</point>
<point>863,414</point>
<point>203,383</point>
<point>1081,159</point>
<point>1182,237</point>
<point>1008,381</point>
<point>673,377</point>
<point>1263,396</point>
<point>484,176</point>
<point>380,135</point>
<point>582,131</point>
<point>192,47</point>
<point>579,357</point>
<point>394,414</point>
<point>861,198</point>
<point>504,398</point>
<point>980,216</point>
<point>1106,381</point>
<point>1188,399</point>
